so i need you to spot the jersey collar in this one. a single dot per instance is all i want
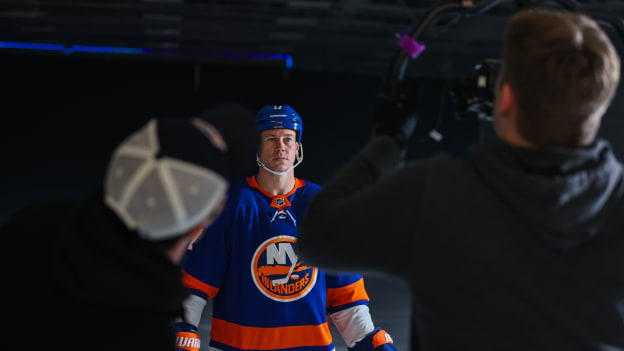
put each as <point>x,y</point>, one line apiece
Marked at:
<point>277,201</point>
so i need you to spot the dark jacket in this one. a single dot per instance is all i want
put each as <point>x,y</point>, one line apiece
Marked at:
<point>79,280</point>
<point>508,249</point>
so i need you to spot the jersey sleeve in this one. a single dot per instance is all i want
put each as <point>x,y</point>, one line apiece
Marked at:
<point>347,305</point>
<point>205,263</point>
<point>344,291</point>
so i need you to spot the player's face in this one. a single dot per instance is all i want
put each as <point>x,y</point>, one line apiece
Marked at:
<point>278,148</point>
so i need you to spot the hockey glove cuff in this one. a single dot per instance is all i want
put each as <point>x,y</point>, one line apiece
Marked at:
<point>377,340</point>
<point>187,337</point>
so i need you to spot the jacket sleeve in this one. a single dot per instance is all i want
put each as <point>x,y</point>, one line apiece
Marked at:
<point>363,217</point>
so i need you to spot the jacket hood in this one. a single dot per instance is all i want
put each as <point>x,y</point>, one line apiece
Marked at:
<point>564,195</point>
<point>99,260</point>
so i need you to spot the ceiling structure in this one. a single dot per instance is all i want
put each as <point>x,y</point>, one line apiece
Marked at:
<point>351,36</point>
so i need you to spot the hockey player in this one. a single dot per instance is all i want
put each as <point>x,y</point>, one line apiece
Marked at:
<point>264,297</point>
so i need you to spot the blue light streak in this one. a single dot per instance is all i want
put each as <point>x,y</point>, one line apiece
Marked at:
<point>288,60</point>
<point>31,46</point>
<point>109,50</point>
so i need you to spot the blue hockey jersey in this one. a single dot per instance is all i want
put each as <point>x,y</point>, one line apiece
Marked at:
<point>265,298</point>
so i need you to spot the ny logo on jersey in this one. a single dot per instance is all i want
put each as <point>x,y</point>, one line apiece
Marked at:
<point>277,253</point>
<point>277,272</point>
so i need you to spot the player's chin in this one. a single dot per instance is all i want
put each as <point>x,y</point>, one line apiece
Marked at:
<point>281,164</point>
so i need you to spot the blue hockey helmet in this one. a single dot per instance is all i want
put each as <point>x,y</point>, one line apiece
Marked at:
<point>279,117</point>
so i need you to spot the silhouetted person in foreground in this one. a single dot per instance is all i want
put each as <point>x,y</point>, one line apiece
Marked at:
<point>519,246</point>
<point>103,274</point>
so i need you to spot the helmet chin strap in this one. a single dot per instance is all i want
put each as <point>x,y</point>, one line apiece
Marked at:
<point>299,158</point>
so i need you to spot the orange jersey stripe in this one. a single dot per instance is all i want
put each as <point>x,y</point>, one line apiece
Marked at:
<point>193,283</point>
<point>299,183</point>
<point>255,338</point>
<point>347,294</point>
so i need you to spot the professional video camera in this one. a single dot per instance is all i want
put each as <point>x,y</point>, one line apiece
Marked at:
<point>473,94</point>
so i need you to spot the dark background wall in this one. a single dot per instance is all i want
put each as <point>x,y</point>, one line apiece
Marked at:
<point>62,115</point>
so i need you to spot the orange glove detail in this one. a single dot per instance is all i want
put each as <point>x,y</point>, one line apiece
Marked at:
<point>188,341</point>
